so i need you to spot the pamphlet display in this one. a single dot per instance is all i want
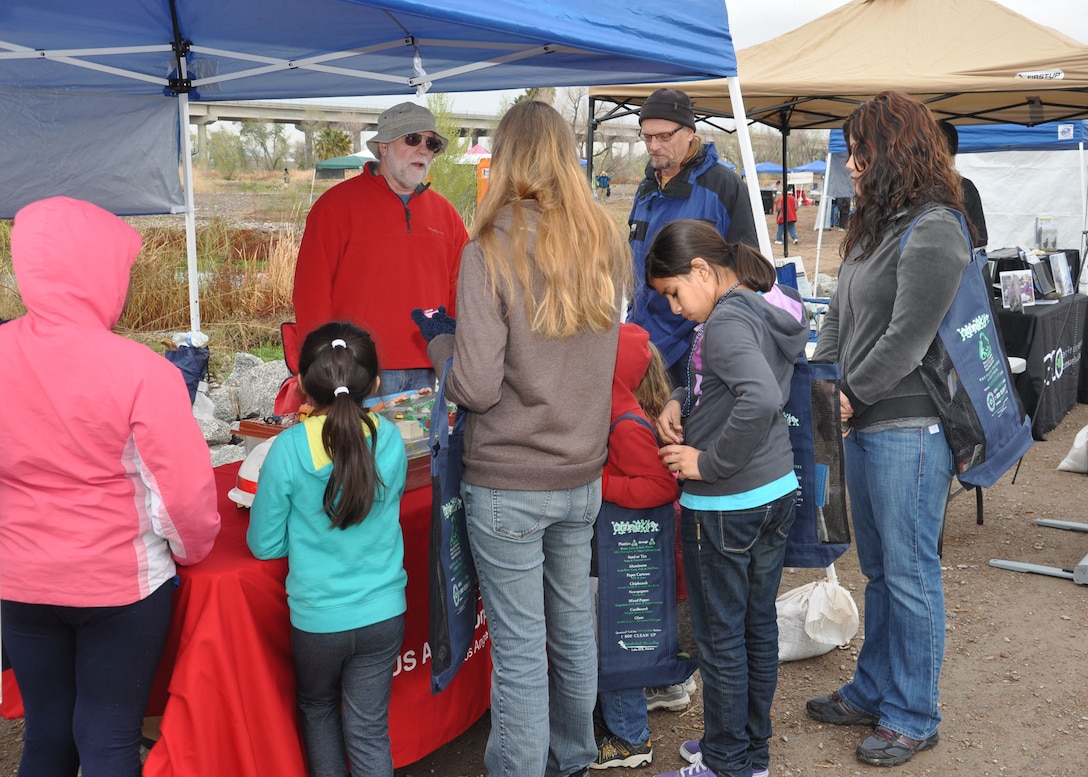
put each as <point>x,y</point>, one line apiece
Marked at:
<point>1017,289</point>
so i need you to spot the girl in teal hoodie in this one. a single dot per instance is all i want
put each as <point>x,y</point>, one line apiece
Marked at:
<point>329,500</point>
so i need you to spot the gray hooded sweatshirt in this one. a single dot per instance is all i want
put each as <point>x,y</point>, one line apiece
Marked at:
<point>740,378</point>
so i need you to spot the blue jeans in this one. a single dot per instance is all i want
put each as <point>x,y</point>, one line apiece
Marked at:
<point>85,674</point>
<point>793,230</point>
<point>399,381</point>
<point>733,563</point>
<point>898,481</point>
<point>624,714</point>
<point>532,550</point>
<point>344,683</point>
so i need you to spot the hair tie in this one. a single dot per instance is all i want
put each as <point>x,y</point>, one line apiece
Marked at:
<point>338,343</point>
<point>340,390</point>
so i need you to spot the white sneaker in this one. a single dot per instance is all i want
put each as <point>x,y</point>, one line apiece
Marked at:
<point>778,242</point>
<point>691,752</point>
<point>674,698</point>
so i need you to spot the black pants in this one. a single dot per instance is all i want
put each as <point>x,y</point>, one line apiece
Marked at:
<point>85,674</point>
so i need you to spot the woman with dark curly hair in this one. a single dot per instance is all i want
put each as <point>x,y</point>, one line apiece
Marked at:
<point>881,321</point>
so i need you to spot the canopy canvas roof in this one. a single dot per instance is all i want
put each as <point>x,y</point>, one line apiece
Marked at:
<point>971,61</point>
<point>108,82</point>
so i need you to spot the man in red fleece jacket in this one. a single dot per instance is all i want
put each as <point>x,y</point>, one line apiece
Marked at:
<point>382,243</point>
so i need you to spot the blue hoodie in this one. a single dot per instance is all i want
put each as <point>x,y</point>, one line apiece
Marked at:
<point>337,579</point>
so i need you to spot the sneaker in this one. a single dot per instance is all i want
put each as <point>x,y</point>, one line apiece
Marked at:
<point>689,684</point>
<point>674,698</point>
<point>778,242</point>
<point>691,751</point>
<point>697,769</point>
<point>884,747</point>
<point>837,711</point>
<point>795,242</point>
<point>619,752</point>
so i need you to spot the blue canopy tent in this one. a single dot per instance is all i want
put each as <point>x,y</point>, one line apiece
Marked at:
<point>819,167</point>
<point>769,168</point>
<point>95,95</point>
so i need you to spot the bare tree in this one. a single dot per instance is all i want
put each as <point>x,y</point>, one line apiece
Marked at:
<point>265,142</point>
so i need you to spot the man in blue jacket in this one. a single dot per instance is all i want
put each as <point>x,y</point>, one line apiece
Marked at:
<point>683,181</point>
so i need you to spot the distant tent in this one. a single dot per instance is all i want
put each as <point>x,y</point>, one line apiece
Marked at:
<point>333,168</point>
<point>349,162</point>
<point>773,168</point>
<point>819,167</point>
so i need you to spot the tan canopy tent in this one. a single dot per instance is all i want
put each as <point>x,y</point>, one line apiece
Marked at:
<point>971,61</point>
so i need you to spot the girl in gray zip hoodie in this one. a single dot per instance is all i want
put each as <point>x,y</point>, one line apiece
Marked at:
<point>728,442</point>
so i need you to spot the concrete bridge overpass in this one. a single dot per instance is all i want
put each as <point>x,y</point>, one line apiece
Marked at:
<point>309,117</point>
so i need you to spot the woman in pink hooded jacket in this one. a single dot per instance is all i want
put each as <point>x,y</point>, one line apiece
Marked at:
<point>105,482</point>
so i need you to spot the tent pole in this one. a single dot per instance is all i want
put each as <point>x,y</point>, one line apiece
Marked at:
<point>590,126</point>
<point>748,163</point>
<point>785,185</point>
<point>190,214</point>
<point>821,217</point>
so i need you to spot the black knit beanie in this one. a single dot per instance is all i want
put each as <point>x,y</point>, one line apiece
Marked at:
<point>668,104</point>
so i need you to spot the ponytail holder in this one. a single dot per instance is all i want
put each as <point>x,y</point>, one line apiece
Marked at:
<point>338,343</point>
<point>340,389</point>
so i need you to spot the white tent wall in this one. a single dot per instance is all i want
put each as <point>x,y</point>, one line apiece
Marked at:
<point>1018,186</point>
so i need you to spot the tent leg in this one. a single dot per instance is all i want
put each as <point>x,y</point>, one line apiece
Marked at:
<point>190,215</point>
<point>748,162</point>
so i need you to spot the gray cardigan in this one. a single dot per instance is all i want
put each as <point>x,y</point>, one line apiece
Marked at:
<point>539,407</point>
<point>885,314</point>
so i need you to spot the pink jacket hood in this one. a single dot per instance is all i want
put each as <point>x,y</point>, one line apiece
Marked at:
<point>72,259</point>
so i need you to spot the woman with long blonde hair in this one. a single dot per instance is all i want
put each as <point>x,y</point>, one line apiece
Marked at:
<point>539,305</point>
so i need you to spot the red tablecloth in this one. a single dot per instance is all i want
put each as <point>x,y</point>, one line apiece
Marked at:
<point>226,686</point>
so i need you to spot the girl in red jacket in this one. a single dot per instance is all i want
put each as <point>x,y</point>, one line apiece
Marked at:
<point>633,478</point>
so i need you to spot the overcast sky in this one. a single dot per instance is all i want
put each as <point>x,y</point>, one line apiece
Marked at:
<point>754,21</point>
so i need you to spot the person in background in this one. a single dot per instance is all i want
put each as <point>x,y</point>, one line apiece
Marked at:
<point>633,478</point>
<point>329,500</point>
<point>726,438</point>
<point>683,181</point>
<point>534,350</point>
<point>878,326</point>
<point>786,216</point>
<point>382,243</point>
<point>604,184</point>
<point>972,201</point>
<point>105,483</point>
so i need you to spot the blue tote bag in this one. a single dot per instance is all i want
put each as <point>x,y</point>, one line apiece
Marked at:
<point>821,525</point>
<point>637,620</point>
<point>967,376</point>
<point>454,588</point>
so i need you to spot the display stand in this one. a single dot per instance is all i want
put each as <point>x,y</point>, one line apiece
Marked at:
<point>1078,574</point>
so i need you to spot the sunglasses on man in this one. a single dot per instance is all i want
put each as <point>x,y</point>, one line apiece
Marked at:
<point>434,145</point>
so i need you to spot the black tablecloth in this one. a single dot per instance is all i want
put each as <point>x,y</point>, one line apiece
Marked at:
<point>1051,339</point>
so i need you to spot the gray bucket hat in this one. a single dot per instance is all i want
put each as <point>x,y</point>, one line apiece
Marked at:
<point>401,120</point>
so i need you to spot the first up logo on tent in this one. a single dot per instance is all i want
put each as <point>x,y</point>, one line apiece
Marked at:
<point>1065,131</point>
<point>1057,74</point>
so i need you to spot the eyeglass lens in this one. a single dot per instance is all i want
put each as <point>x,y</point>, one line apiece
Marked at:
<point>433,143</point>
<point>661,137</point>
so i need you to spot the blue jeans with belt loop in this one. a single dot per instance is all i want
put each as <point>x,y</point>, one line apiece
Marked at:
<point>532,551</point>
<point>898,481</point>
<point>733,562</point>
